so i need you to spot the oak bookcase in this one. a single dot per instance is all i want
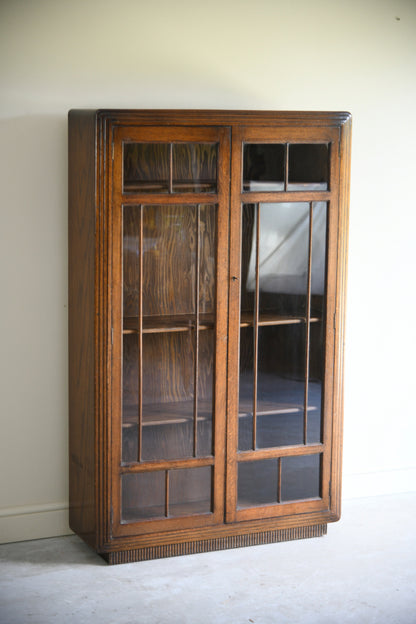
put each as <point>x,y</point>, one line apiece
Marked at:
<point>207,274</point>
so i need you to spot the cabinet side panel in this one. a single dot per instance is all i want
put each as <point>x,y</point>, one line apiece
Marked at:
<point>81,245</point>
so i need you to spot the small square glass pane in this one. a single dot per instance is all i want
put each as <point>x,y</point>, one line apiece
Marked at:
<point>308,167</point>
<point>190,491</point>
<point>142,496</point>
<point>301,477</point>
<point>194,167</point>
<point>257,483</point>
<point>263,167</point>
<point>146,167</point>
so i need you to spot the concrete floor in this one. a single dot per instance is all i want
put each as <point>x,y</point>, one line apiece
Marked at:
<point>363,571</point>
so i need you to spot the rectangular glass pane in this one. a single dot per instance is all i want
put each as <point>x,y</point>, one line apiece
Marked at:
<point>194,167</point>
<point>131,260</point>
<point>190,491</point>
<point>257,483</point>
<point>248,249</point>
<point>146,167</point>
<point>142,496</point>
<point>130,413</point>
<point>283,259</point>
<point>246,390</point>
<point>168,395</point>
<point>301,477</point>
<point>308,167</point>
<point>207,260</point>
<point>317,339</point>
<point>264,167</point>
<point>280,385</point>
<point>205,392</point>
<point>169,251</point>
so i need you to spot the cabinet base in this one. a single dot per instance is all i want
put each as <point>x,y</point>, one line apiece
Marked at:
<point>209,545</point>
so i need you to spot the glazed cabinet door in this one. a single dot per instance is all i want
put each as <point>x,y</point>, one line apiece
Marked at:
<point>284,208</point>
<point>169,325</point>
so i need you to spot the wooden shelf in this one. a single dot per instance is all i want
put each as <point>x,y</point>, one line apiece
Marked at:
<point>162,186</point>
<point>187,322</point>
<point>168,323</point>
<point>160,414</point>
<point>247,319</point>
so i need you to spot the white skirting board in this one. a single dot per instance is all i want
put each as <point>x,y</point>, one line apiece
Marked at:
<point>29,522</point>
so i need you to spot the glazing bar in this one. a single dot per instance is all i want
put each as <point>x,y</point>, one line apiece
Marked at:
<point>256,326</point>
<point>196,362</point>
<point>308,327</point>
<point>140,340</point>
<point>286,165</point>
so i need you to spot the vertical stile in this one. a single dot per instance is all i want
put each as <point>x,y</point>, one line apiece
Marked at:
<point>308,327</point>
<point>256,326</point>
<point>140,339</point>
<point>196,360</point>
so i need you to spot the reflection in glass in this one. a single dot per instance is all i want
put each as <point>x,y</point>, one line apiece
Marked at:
<point>190,491</point>
<point>146,167</point>
<point>308,167</point>
<point>257,483</point>
<point>283,248</point>
<point>283,274</point>
<point>142,496</point>
<point>300,477</point>
<point>263,167</point>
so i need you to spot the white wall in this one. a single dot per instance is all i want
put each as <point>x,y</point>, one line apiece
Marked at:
<point>356,55</point>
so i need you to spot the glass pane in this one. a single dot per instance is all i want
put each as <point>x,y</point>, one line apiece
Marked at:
<point>257,483</point>
<point>131,260</point>
<point>280,385</point>
<point>246,388</point>
<point>169,251</point>
<point>205,392</point>
<point>130,414</point>
<point>194,167</point>
<point>190,491</point>
<point>142,496</point>
<point>168,395</point>
<point>207,260</point>
<point>316,348</point>
<point>283,259</point>
<point>301,477</point>
<point>146,167</point>
<point>264,167</point>
<point>248,260</point>
<point>308,167</point>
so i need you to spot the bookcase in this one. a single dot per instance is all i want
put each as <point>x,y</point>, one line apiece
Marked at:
<point>207,279</point>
